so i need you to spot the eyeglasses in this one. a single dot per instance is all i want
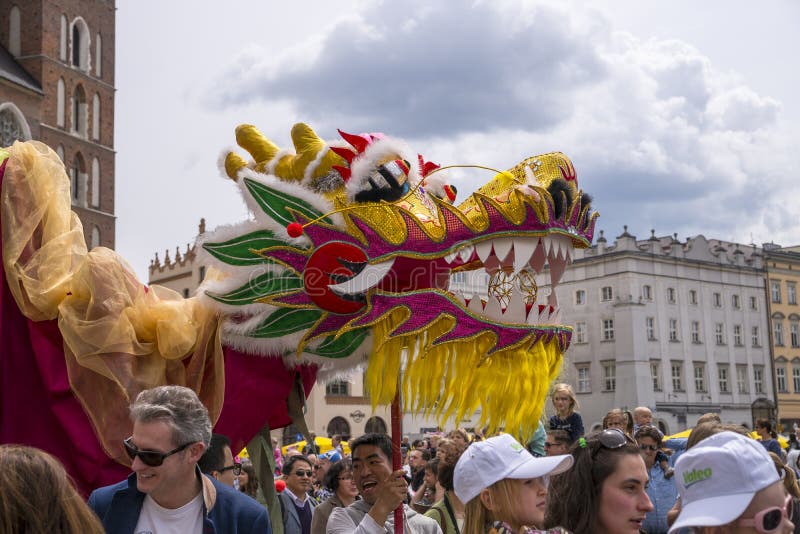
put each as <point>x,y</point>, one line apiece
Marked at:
<point>151,458</point>
<point>346,477</point>
<point>302,473</point>
<point>769,520</point>
<point>648,447</point>
<point>237,469</point>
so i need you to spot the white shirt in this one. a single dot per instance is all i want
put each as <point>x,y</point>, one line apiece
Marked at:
<point>155,519</point>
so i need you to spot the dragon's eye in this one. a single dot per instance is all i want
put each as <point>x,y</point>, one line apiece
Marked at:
<point>389,182</point>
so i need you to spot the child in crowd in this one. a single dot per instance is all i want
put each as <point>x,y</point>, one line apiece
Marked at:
<point>566,418</point>
<point>642,416</point>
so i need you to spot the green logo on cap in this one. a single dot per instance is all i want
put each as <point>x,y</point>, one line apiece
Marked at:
<point>516,446</point>
<point>696,475</point>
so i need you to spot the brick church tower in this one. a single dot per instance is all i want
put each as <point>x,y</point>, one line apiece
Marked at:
<point>57,86</point>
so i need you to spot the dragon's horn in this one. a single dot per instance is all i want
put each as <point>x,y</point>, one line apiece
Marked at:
<point>252,140</point>
<point>233,164</point>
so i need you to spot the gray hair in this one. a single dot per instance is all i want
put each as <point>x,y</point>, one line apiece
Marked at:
<point>177,406</point>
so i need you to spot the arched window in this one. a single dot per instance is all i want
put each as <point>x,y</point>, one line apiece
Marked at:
<point>95,237</point>
<point>78,180</point>
<point>62,40</point>
<point>79,111</point>
<point>13,126</point>
<point>14,43</point>
<point>98,56</point>
<point>60,103</point>
<point>80,44</point>
<point>339,425</point>
<point>60,152</point>
<point>375,424</point>
<point>95,200</point>
<point>96,117</point>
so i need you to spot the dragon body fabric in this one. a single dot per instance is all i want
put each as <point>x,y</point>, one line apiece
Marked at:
<point>345,264</point>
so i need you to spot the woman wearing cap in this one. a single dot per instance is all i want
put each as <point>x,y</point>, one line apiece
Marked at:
<point>728,483</point>
<point>503,486</point>
<point>604,492</point>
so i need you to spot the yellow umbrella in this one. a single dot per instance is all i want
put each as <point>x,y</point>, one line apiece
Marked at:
<point>685,434</point>
<point>324,445</point>
<point>682,434</point>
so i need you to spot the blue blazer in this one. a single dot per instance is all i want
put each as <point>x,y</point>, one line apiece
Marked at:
<point>225,510</point>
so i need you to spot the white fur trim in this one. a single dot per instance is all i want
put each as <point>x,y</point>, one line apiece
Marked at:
<point>365,163</point>
<point>313,165</point>
<point>221,161</point>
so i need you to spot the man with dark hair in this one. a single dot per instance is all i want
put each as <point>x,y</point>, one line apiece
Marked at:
<point>171,431</point>
<point>417,460</point>
<point>297,506</point>
<point>557,443</point>
<point>382,490</point>
<point>218,461</point>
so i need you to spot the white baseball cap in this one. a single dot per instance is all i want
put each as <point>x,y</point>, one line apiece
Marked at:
<point>718,477</point>
<point>497,458</point>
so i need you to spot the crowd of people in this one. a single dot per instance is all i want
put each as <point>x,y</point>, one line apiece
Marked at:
<point>623,479</point>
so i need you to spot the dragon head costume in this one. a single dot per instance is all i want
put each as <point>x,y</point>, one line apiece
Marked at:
<point>348,263</point>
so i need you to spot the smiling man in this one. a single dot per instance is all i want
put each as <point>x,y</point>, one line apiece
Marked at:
<point>167,492</point>
<point>382,490</point>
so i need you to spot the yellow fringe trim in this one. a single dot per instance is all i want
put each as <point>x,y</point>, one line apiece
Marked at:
<point>455,379</point>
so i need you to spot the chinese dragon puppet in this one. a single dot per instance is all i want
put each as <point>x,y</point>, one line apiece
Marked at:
<point>345,264</point>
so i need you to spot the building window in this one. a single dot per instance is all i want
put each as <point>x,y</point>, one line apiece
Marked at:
<point>339,425</point>
<point>62,40</point>
<point>791,293</point>
<point>775,291</point>
<point>650,325</point>
<point>735,302</point>
<point>722,372</point>
<point>677,376</point>
<point>719,333</point>
<point>202,273</point>
<point>608,329</point>
<point>647,293</point>
<point>60,103</point>
<point>375,425</point>
<point>780,379</point>
<point>580,297</point>
<point>338,388</point>
<point>609,376</point>
<point>79,112</point>
<point>96,117</point>
<point>14,40</point>
<point>794,334</point>
<point>98,56</point>
<point>700,377</point>
<point>13,126</point>
<point>584,379</point>
<point>671,295</point>
<point>95,200</point>
<point>78,177</point>
<point>695,332</point>
<point>796,378</point>
<point>580,332</point>
<point>717,300</point>
<point>741,378</point>
<point>755,337</point>
<point>777,331</point>
<point>60,152</point>
<point>95,242</point>
<point>606,293</point>
<point>737,335</point>
<point>655,374</point>
<point>753,303</point>
<point>692,296</point>
<point>758,379</point>
<point>186,292</point>
<point>80,44</point>
<point>673,330</point>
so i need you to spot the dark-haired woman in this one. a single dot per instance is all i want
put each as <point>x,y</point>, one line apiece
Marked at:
<point>339,480</point>
<point>605,491</point>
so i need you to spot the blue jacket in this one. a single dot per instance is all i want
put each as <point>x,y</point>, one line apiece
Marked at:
<point>225,510</point>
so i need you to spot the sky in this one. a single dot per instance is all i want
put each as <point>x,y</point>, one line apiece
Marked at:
<point>679,116</point>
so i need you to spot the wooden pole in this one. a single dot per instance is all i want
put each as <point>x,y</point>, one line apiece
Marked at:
<point>397,460</point>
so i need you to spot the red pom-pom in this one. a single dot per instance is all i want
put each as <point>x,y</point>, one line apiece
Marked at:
<point>294,230</point>
<point>280,485</point>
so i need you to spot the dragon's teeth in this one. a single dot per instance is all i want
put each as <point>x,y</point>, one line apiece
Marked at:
<point>502,247</point>
<point>459,297</point>
<point>493,309</point>
<point>538,257</point>
<point>484,250</point>
<point>450,256</point>
<point>465,253</point>
<point>515,312</point>
<point>523,250</point>
<point>475,305</point>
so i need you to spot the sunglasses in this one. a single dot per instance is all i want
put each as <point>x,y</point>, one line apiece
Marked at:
<point>769,520</point>
<point>151,458</point>
<point>302,473</point>
<point>237,469</point>
<point>648,447</point>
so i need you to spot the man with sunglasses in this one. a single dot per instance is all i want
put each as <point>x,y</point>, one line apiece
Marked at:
<point>218,461</point>
<point>167,492</point>
<point>728,483</point>
<point>661,486</point>
<point>297,506</point>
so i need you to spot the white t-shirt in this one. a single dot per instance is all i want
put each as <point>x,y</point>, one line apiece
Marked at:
<point>155,519</point>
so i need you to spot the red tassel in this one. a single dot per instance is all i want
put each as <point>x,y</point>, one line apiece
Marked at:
<point>294,230</point>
